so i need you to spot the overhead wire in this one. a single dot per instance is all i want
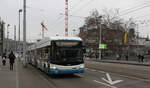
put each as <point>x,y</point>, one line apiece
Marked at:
<point>75,5</point>
<point>81,8</point>
<point>127,11</point>
<point>61,19</point>
<point>134,10</point>
<point>136,6</point>
<point>141,16</point>
<point>77,9</point>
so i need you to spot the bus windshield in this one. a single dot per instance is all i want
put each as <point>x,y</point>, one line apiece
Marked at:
<point>69,54</point>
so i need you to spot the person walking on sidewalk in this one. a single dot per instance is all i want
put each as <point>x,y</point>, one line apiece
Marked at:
<point>139,58</point>
<point>11,60</point>
<point>142,58</point>
<point>4,59</point>
<point>117,56</point>
<point>126,56</point>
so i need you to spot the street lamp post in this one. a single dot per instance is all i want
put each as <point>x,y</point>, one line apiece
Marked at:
<point>7,44</point>
<point>100,38</point>
<point>19,49</point>
<point>24,33</point>
<point>15,39</point>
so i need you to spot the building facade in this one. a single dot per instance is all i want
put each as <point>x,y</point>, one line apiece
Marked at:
<point>2,40</point>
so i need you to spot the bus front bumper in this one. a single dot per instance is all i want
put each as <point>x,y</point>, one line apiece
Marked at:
<point>66,71</point>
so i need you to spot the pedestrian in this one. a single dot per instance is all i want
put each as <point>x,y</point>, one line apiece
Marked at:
<point>4,59</point>
<point>139,58</point>
<point>117,56</point>
<point>11,60</point>
<point>96,55</point>
<point>126,57</point>
<point>142,58</point>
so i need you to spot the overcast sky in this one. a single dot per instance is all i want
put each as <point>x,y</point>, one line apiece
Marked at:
<point>49,12</point>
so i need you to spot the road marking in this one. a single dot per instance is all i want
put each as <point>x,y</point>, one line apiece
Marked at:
<point>17,78</point>
<point>101,71</point>
<point>131,77</point>
<point>104,84</point>
<point>109,80</point>
<point>95,70</point>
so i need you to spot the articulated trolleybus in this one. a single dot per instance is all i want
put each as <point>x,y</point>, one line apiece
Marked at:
<point>58,55</point>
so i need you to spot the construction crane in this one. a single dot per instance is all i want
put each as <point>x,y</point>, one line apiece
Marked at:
<point>66,18</point>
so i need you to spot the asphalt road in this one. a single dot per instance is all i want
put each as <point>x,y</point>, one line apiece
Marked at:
<point>33,78</point>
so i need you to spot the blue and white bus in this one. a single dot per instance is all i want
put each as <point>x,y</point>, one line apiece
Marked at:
<point>58,55</point>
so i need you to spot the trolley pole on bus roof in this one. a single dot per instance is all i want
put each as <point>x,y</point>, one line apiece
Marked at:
<point>24,33</point>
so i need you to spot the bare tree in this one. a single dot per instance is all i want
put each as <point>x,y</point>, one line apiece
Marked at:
<point>112,26</point>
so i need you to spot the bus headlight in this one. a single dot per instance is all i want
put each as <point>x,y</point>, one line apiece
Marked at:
<point>53,66</point>
<point>82,66</point>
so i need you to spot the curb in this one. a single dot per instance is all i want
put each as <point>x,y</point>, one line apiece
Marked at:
<point>118,62</point>
<point>126,63</point>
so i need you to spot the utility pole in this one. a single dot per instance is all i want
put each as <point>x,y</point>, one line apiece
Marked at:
<point>15,38</point>
<point>24,34</point>
<point>19,44</point>
<point>7,44</point>
<point>100,39</point>
<point>100,35</point>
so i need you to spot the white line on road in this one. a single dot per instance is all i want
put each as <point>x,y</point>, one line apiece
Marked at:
<point>131,77</point>
<point>110,81</point>
<point>104,84</point>
<point>101,71</point>
<point>17,78</point>
<point>95,70</point>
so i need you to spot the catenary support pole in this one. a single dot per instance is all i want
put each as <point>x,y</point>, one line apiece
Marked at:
<point>24,34</point>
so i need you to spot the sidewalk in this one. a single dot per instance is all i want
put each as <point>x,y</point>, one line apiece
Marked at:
<point>21,77</point>
<point>7,78</point>
<point>146,63</point>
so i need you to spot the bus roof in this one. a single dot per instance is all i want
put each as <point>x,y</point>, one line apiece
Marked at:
<point>46,41</point>
<point>65,38</point>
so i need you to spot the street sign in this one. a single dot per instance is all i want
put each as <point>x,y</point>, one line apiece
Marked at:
<point>102,46</point>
